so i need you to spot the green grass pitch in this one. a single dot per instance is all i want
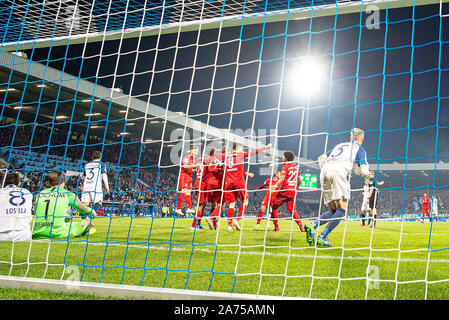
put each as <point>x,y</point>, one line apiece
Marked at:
<point>166,253</point>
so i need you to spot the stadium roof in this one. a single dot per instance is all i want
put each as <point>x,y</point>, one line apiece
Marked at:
<point>37,89</point>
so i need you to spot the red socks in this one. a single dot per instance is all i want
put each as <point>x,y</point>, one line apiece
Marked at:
<point>297,218</point>
<point>275,217</point>
<point>180,200</point>
<point>230,215</point>
<point>242,210</point>
<point>259,216</point>
<point>188,201</point>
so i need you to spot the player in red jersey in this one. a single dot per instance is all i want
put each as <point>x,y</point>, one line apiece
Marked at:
<point>425,207</point>
<point>185,181</point>
<point>201,195</point>
<point>269,195</point>
<point>214,182</point>
<point>234,187</point>
<point>289,182</point>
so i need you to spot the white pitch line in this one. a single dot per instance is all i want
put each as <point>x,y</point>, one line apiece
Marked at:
<point>258,253</point>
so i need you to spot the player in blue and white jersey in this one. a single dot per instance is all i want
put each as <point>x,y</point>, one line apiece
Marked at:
<point>15,209</point>
<point>435,209</point>
<point>95,176</point>
<point>336,166</point>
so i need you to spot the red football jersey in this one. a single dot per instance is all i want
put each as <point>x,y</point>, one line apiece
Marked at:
<point>234,163</point>
<point>269,183</point>
<point>201,175</point>
<point>425,201</point>
<point>187,161</point>
<point>214,169</point>
<point>291,174</point>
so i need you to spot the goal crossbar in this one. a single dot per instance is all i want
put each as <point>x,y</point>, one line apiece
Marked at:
<point>219,22</point>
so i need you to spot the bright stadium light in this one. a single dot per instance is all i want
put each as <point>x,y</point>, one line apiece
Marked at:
<point>306,77</point>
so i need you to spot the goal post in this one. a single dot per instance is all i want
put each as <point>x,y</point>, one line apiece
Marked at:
<point>221,20</point>
<point>147,82</point>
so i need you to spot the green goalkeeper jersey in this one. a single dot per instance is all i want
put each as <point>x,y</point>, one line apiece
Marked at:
<point>50,210</point>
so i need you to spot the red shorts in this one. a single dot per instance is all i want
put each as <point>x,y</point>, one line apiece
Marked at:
<point>185,182</point>
<point>425,210</point>
<point>267,197</point>
<point>214,193</point>
<point>284,197</point>
<point>201,194</point>
<point>233,191</point>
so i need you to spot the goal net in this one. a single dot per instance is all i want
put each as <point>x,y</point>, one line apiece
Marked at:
<point>124,100</point>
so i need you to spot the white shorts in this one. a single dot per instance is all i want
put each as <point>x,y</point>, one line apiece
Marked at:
<point>334,185</point>
<point>365,205</point>
<point>91,197</point>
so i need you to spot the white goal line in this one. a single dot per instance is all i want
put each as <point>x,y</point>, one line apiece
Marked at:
<point>128,291</point>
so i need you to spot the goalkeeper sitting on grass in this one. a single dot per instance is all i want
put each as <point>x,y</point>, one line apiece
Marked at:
<point>51,207</point>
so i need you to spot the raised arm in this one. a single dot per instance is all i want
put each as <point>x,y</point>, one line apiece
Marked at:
<point>262,185</point>
<point>256,151</point>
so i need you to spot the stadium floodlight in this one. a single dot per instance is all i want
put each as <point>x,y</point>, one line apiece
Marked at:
<point>305,77</point>
<point>7,89</point>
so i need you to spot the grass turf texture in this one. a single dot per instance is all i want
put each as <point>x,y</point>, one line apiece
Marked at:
<point>166,253</point>
<point>21,294</point>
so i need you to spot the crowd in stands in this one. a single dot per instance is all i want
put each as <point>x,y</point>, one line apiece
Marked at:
<point>136,180</point>
<point>397,201</point>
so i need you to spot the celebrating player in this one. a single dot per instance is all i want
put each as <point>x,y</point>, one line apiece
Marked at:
<point>365,202</point>
<point>373,196</point>
<point>288,183</point>
<point>335,166</point>
<point>15,209</point>
<point>214,183</point>
<point>201,195</point>
<point>234,183</point>
<point>425,207</point>
<point>51,207</point>
<point>269,195</point>
<point>93,188</point>
<point>185,181</point>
